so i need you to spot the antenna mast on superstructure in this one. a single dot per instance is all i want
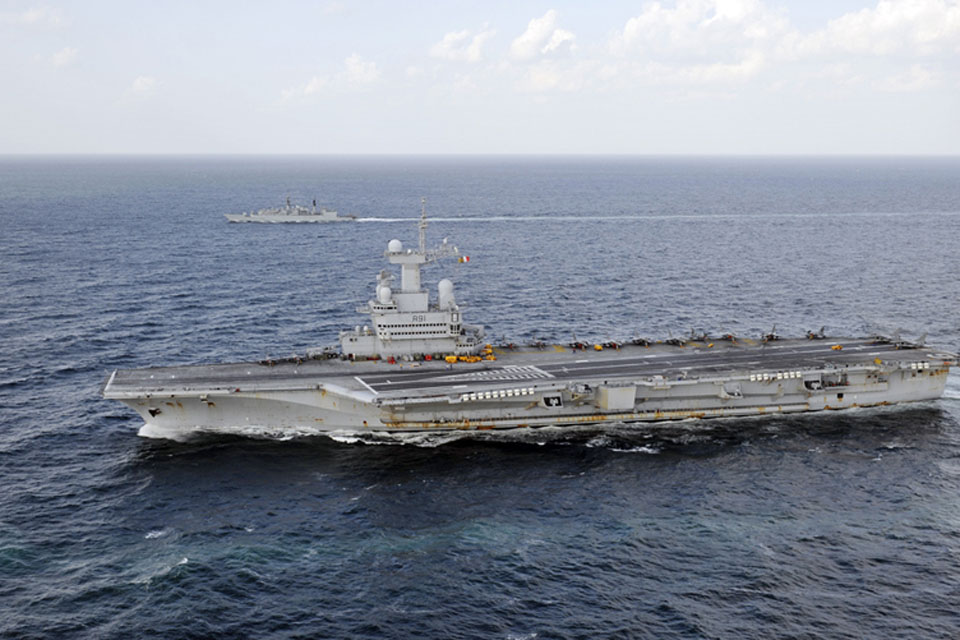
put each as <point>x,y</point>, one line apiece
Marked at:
<point>423,225</point>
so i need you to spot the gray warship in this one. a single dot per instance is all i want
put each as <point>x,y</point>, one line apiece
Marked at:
<point>290,213</point>
<point>416,365</point>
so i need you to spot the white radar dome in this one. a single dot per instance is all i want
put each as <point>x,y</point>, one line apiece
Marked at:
<point>383,294</point>
<point>395,246</point>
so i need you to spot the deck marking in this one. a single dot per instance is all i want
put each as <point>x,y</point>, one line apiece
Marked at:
<point>360,380</point>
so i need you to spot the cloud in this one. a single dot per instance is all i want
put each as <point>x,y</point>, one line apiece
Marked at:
<point>726,45</point>
<point>308,88</point>
<point>542,37</point>
<point>713,73</point>
<point>914,27</point>
<point>36,16</point>
<point>143,87</point>
<point>551,75</point>
<point>359,72</point>
<point>64,57</point>
<point>333,8</point>
<point>461,45</point>
<point>723,45</point>
<point>733,41</point>
<point>463,82</point>
<point>916,78</point>
<point>696,42</point>
<point>698,29</point>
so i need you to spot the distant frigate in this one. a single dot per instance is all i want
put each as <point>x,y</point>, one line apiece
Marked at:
<point>290,213</point>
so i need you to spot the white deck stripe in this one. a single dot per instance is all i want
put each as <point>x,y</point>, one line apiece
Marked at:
<point>360,380</point>
<point>541,372</point>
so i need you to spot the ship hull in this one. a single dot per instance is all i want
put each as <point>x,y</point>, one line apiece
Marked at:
<point>285,219</point>
<point>532,389</point>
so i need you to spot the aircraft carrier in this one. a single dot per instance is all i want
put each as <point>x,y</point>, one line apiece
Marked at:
<point>417,366</point>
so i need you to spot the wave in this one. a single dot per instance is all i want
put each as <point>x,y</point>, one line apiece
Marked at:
<point>160,571</point>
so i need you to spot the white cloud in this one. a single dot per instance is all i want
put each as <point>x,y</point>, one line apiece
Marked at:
<point>916,78</point>
<point>35,16</point>
<point>64,57</point>
<point>713,73</point>
<point>308,88</point>
<point>312,86</point>
<point>464,83</point>
<point>551,75</point>
<point>716,41</point>
<point>461,45</point>
<point>697,42</point>
<point>359,72</point>
<point>333,8</point>
<point>356,73</point>
<point>698,29</point>
<point>915,27</point>
<point>542,37</point>
<point>143,87</point>
<point>559,40</point>
<point>721,44</point>
<point>838,74</point>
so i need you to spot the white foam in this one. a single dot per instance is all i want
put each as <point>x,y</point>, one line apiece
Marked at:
<point>185,434</point>
<point>160,572</point>
<point>952,390</point>
<point>601,441</point>
<point>161,433</point>
<point>425,439</point>
<point>642,449</point>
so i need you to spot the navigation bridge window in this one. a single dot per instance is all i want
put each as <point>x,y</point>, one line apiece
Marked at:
<point>420,329</point>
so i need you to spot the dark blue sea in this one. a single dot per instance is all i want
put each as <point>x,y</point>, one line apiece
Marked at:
<point>844,525</point>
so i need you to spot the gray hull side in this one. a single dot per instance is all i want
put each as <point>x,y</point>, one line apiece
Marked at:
<point>509,396</point>
<point>282,219</point>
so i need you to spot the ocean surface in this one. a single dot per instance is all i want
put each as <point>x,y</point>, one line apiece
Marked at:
<point>844,525</point>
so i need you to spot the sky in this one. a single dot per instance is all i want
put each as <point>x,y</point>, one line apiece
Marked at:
<point>711,77</point>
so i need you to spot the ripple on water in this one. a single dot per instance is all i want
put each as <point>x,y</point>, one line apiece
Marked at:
<point>809,525</point>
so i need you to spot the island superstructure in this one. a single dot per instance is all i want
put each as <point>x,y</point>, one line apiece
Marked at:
<point>403,323</point>
<point>418,366</point>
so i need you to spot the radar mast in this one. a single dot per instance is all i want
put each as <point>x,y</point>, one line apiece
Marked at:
<point>423,225</point>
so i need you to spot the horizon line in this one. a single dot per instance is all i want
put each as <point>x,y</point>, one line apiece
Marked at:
<point>269,154</point>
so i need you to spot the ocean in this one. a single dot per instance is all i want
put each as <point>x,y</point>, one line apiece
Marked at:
<point>842,525</point>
